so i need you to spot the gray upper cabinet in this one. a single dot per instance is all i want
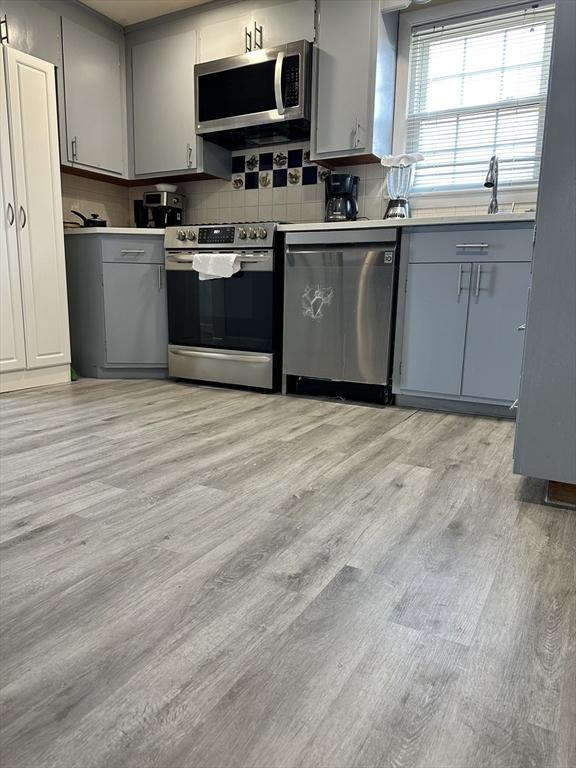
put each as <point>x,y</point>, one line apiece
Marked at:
<point>225,37</point>
<point>94,90</point>
<point>32,28</point>
<point>135,314</point>
<point>435,327</point>
<point>354,80</point>
<point>164,136</point>
<point>493,358</point>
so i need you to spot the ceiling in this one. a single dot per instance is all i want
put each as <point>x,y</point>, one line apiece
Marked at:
<point>126,12</point>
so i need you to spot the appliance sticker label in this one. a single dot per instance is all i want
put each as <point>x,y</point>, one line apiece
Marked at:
<point>314,300</point>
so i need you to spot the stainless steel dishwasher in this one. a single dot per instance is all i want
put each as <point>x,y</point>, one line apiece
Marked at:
<point>339,303</point>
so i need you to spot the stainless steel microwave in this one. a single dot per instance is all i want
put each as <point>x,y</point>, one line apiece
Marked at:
<point>255,98</point>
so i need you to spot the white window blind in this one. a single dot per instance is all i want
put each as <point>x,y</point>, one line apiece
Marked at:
<point>477,87</point>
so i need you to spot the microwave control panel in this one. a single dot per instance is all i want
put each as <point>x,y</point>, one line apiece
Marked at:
<point>291,81</point>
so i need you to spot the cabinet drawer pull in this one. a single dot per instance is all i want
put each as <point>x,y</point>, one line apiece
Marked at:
<point>134,250</point>
<point>471,245</point>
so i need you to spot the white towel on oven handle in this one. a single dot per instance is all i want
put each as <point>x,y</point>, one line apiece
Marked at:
<point>211,266</point>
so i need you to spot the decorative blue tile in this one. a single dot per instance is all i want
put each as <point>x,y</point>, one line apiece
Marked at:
<point>266,159</point>
<point>280,178</point>
<point>294,158</point>
<point>309,174</point>
<point>238,164</point>
<point>251,180</point>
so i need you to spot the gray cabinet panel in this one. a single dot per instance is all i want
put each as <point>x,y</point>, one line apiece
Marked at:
<point>33,28</point>
<point>493,355</point>
<point>435,327</point>
<point>94,86</point>
<point>342,123</point>
<point>164,135</point>
<point>135,314</point>
<point>130,249</point>
<point>461,244</point>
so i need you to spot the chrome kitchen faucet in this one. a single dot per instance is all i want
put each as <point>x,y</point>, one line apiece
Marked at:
<point>492,183</point>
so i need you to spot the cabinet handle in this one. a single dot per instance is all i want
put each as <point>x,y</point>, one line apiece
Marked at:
<point>10,212</point>
<point>247,40</point>
<point>521,327</point>
<point>257,31</point>
<point>189,155</point>
<point>514,405</point>
<point>74,148</point>
<point>132,250</point>
<point>4,37</point>
<point>459,280</point>
<point>357,133</point>
<point>478,276</point>
<point>23,218</point>
<point>471,245</point>
<point>159,277</point>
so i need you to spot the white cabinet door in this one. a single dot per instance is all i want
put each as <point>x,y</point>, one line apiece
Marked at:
<point>285,22</point>
<point>164,134</point>
<point>34,133</point>
<point>12,349</point>
<point>344,75</point>
<point>94,86</point>
<point>224,38</point>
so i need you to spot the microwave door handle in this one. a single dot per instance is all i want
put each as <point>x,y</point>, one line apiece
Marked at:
<point>278,83</point>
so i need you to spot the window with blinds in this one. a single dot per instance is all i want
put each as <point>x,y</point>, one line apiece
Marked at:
<point>478,87</point>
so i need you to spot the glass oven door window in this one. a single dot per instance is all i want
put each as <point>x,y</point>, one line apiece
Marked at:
<point>228,313</point>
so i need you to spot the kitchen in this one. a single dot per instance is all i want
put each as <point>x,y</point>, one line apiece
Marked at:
<point>288,363</point>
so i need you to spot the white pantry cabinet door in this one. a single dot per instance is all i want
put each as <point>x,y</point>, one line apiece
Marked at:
<point>34,131</point>
<point>12,349</point>
<point>164,133</point>
<point>94,87</point>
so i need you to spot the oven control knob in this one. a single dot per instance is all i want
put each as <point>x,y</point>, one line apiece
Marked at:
<point>252,233</point>
<point>181,235</point>
<point>262,233</point>
<point>242,233</point>
<point>191,235</point>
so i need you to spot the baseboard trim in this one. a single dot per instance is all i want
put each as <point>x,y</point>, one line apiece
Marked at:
<point>456,406</point>
<point>12,381</point>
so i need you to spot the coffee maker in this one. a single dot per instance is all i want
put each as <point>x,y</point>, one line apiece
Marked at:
<point>341,197</point>
<point>161,209</point>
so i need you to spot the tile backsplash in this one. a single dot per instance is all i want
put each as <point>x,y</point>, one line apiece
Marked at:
<point>271,183</point>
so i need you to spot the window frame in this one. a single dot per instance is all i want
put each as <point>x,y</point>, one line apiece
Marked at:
<point>458,9</point>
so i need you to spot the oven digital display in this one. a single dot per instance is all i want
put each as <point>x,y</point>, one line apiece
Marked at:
<point>216,235</point>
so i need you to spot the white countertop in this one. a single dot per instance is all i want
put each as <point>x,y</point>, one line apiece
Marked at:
<point>113,231</point>
<point>418,221</point>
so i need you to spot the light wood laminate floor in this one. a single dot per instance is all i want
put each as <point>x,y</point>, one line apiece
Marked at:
<point>202,578</point>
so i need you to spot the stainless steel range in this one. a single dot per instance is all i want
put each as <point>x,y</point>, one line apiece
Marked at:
<point>228,329</point>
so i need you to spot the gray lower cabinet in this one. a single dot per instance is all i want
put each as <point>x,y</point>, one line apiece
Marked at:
<point>435,328</point>
<point>135,314</point>
<point>460,317</point>
<point>117,305</point>
<point>497,308</point>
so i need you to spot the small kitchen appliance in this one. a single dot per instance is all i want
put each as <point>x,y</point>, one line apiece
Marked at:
<point>399,182</point>
<point>256,98</point>
<point>226,330</point>
<point>164,209</point>
<point>341,197</point>
<point>93,221</point>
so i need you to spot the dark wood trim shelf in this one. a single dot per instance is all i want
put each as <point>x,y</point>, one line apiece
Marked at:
<point>123,182</point>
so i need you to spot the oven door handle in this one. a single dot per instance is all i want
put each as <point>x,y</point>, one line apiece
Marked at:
<point>278,83</point>
<point>221,356</point>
